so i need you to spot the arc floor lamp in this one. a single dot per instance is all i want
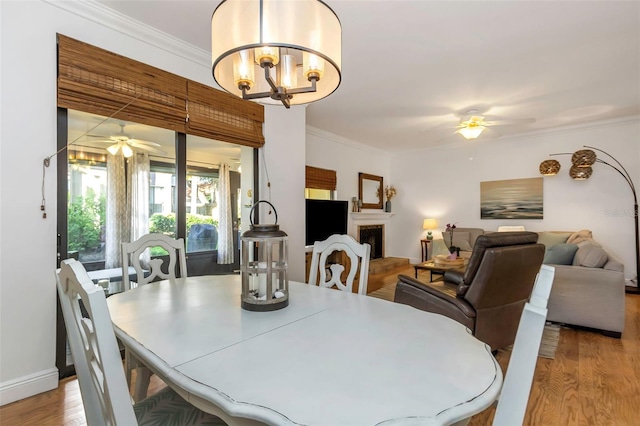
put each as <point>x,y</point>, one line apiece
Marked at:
<point>582,161</point>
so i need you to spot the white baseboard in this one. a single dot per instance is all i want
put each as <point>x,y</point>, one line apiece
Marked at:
<point>26,386</point>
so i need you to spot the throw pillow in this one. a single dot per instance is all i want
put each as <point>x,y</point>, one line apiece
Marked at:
<point>550,239</point>
<point>590,256</point>
<point>460,239</point>
<point>560,254</point>
<point>576,237</point>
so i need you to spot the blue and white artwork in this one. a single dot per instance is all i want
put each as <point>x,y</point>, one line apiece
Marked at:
<point>511,199</point>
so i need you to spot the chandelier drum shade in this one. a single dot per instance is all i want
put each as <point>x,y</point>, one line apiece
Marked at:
<point>276,51</point>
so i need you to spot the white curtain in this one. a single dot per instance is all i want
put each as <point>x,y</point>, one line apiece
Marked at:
<point>138,199</point>
<point>225,225</point>
<point>117,223</point>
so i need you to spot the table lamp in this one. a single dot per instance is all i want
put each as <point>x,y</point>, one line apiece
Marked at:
<point>429,224</point>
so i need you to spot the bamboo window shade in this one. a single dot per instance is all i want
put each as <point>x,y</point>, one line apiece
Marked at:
<point>318,178</point>
<point>100,82</point>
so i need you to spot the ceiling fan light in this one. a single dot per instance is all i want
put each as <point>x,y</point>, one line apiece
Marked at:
<point>126,151</point>
<point>113,149</point>
<point>471,132</point>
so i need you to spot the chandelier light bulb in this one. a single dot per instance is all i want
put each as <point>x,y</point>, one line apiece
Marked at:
<point>243,69</point>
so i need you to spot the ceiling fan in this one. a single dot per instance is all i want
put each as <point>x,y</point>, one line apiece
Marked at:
<point>471,125</point>
<point>123,142</point>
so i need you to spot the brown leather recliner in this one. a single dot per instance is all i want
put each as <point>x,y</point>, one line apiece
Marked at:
<point>490,295</point>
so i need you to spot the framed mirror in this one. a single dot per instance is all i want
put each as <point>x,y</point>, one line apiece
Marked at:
<point>370,191</point>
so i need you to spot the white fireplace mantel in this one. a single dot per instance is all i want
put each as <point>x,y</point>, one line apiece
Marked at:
<point>367,216</point>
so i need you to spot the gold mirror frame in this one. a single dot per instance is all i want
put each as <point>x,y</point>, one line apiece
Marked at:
<point>366,185</point>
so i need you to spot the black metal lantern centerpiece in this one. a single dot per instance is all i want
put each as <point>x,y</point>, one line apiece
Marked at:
<point>263,272</point>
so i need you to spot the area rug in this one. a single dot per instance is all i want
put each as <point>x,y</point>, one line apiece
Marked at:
<point>549,343</point>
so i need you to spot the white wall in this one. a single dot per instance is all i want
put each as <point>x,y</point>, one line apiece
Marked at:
<point>444,183</point>
<point>284,151</point>
<point>28,135</point>
<point>347,158</point>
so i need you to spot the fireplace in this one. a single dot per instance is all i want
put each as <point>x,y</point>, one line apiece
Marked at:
<point>374,236</point>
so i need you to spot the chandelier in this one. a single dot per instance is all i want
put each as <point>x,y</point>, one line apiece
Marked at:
<point>276,51</point>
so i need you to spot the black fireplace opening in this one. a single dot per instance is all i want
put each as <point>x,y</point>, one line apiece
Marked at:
<point>373,235</point>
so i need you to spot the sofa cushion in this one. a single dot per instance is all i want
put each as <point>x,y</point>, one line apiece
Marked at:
<point>550,239</point>
<point>460,239</point>
<point>560,254</point>
<point>590,256</point>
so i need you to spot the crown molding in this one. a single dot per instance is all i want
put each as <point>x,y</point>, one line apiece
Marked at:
<point>314,131</point>
<point>100,14</point>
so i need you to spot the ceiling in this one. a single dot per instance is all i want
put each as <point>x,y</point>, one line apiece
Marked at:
<point>411,69</point>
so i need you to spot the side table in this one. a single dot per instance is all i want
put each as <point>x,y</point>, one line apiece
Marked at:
<point>426,249</point>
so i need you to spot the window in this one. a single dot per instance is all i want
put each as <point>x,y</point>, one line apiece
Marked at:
<point>320,184</point>
<point>123,197</point>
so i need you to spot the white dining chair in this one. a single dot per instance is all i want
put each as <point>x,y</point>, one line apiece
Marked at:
<point>133,254</point>
<point>326,274</point>
<point>136,253</point>
<point>512,404</point>
<point>98,364</point>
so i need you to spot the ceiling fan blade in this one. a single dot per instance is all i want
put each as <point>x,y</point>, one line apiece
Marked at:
<point>102,141</point>
<point>141,142</point>
<point>147,148</point>
<point>507,122</point>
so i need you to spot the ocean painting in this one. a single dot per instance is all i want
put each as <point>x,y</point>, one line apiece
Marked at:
<point>511,199</point>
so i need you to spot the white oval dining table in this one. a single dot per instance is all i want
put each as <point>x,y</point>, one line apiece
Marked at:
<point>329,358</point>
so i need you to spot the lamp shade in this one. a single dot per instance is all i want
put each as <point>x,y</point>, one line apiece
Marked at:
<point>429,224</point>
<point>307,30</point>
<point>549,167</point>
<point>580,173</point>
<point>583,158</point>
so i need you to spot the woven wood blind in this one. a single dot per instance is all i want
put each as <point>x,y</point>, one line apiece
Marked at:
<point>219,115</point>
<point>100,82</point>
<point>320,178</point>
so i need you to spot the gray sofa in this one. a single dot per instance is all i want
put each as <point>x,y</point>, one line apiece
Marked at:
<point>588,292</point>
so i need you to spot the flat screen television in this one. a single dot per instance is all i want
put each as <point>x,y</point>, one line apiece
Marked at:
<point>324,218</point>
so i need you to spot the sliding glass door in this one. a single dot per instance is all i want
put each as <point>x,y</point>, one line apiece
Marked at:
<point>119,180</point>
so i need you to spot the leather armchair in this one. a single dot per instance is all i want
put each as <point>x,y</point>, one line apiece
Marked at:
<point>489,296</point>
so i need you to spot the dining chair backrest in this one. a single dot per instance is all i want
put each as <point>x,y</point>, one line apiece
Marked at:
<point>516,388</point>
<point>94,348</point>
<point>133,252</point>
<point>358,255</point>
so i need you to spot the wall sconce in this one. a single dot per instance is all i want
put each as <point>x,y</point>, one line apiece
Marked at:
<point>581,169</point>
<point>429,224</point>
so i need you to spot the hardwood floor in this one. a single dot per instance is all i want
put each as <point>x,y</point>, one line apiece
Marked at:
<point>593,380</point>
